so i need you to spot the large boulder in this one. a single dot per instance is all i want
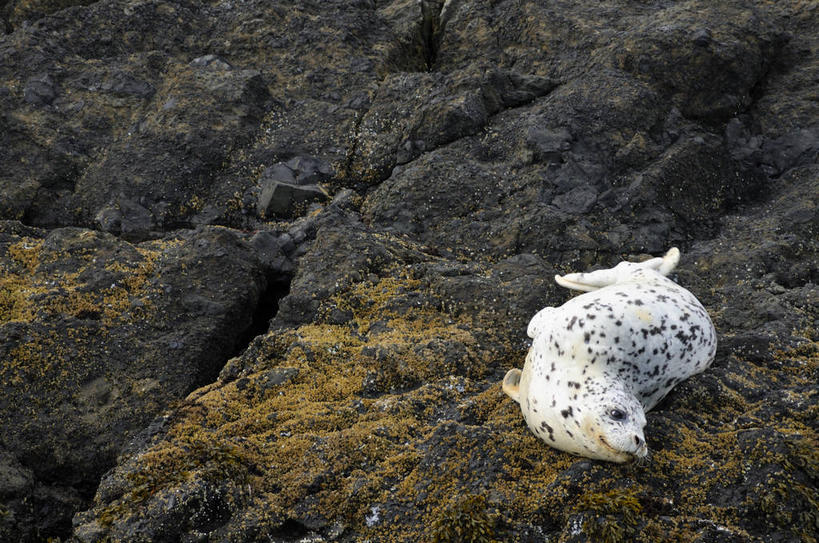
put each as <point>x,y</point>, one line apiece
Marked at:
<point>97,336</point>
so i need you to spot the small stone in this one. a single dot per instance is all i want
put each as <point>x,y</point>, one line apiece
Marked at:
<point>282,265</point>
<point>211,62</point>
<point>39,90</point>
<point>209,215</point>
<point>549,145</point>
<point>125,84</point>
<point>702,37</point>
<point>279,172</point>
<point>339,316</point>
<point>136,220</point>
<point>276,377</point>
<point>285,200</point>
<point>576,201</point>
<point>298,235</point>
<point>309,170</point>
<point>287,243</point>
<point>268,246</point>
<point>109,219</point>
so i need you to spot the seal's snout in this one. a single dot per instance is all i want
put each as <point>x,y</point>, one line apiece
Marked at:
<point>641,451</point>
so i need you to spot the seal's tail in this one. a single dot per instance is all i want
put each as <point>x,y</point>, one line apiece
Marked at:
<point>511,384</point>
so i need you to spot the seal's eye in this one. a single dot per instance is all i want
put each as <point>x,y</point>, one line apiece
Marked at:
<point>616,414</point>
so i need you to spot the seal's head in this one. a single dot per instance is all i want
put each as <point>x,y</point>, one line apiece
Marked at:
<point>613,427</point>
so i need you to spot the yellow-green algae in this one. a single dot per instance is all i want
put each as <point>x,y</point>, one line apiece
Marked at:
<point>614,514</point>
<point>28,293</point>
<point>319,438</point>
<point>466,521</point>
<point>40,285</point>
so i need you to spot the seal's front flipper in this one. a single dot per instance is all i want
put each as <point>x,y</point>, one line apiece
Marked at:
<point>511,384</point>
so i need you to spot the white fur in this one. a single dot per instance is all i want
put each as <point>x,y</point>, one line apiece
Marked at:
<point>615,350</point>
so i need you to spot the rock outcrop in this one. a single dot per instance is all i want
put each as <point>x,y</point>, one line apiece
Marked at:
<point>264,264</point>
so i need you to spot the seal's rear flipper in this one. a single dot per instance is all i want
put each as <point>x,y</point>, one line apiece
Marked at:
<point>665,264</point>
<point>587,281</point>
<point>670,261</point>
<point>621,272</point>
<point>511,384</point>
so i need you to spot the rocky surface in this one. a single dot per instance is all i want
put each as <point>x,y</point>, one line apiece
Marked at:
<point>264,264</point>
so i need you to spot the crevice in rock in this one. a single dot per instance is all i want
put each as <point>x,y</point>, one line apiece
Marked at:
<point>347,173</point>
<point>495,103</point>
<point>431,30</point>
<point>278,286</point>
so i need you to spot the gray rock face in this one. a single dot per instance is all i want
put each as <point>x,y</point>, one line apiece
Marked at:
<point>287,187</point>
<point>278,199</point>
<point>264,263</point>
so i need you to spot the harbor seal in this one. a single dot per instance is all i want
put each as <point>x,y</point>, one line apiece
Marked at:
<point>602,359</point>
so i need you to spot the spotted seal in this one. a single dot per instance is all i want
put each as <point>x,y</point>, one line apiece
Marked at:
<point>602,359</point>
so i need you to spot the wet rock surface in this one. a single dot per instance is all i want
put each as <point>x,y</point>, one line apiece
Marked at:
<point>264,264</point>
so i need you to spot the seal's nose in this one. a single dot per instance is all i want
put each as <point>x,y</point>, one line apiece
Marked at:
<point>641,450</point>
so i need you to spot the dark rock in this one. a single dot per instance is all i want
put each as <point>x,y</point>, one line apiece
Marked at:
<point>125,217</point>
<point>796,149</point>
<point>472,150</point>
<point>276,377</point>
<point>280,173</point>
<point>709,73</point>
<point>701,37</point>
<point>288,187</point>
<point>268,247</point>
<point>442,109</point>
<point>161,148</point>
